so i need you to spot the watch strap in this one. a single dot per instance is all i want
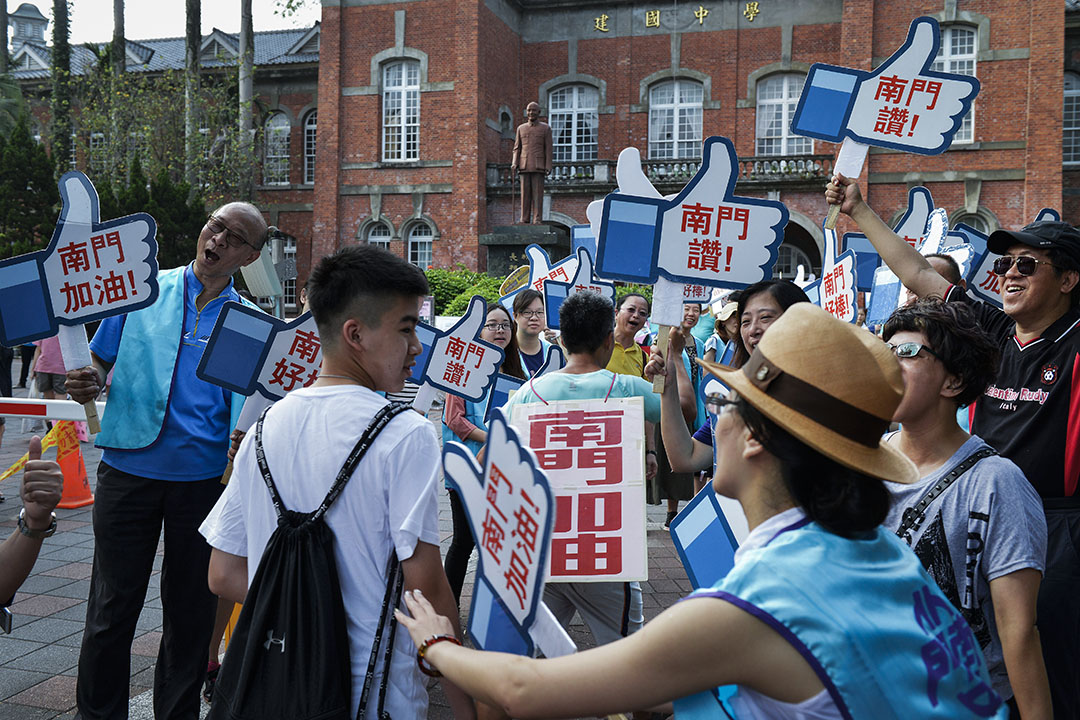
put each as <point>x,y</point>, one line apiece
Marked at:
<point>36,534</point>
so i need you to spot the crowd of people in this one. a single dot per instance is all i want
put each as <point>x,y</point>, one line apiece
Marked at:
<point>900,562</point>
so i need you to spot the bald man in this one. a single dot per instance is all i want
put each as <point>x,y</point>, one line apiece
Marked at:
<point>164,441</point>
<point>532,160</point>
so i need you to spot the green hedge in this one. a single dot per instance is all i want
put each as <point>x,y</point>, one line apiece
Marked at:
<point>486,287</point>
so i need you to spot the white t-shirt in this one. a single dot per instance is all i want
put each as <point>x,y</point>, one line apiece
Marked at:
<point>390,502</point>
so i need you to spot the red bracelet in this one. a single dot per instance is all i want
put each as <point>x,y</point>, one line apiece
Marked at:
<point>427,669</point>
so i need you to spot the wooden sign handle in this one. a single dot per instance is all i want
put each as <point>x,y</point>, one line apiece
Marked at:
<point>93,423</point>
<point>832,217</point>
<point>227,474</point>
<point>663,340</point>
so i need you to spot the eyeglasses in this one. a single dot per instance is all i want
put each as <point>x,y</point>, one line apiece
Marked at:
<point>532,313</point>
<point>1025,264</point>
<point>232,239</point>
<point>497,326</point>
<point>718,404</point>
<point>911,349</point>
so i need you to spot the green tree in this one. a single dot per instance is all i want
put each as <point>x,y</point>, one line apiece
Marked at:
<point>12,106</point>
<point>179,219</point>
<point>29,199</point>
<point>61,87</point>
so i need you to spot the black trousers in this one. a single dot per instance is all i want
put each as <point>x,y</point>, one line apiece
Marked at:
<point>1058,608</point>
<point>129,513</point>
<point>26,353</point>
<point>461,547</point>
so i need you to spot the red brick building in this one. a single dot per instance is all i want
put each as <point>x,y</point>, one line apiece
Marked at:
<point>417,102</point>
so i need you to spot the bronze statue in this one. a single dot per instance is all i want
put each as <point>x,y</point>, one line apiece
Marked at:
<point>532,160</point>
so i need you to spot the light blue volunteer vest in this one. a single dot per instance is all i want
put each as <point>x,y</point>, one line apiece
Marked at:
<point>880,635</point>
<point>143,372</point>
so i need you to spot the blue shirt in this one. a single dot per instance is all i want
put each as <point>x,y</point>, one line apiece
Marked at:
<point>194,437</point>
<point>587,386</point>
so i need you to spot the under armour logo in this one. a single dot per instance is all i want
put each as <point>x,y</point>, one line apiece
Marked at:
<point>271,640</point>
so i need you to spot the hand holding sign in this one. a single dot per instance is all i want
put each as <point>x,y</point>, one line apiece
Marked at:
<point>459,362</point>
<point>89,271</point>
<point>584,280</point>
<point>511,510</point>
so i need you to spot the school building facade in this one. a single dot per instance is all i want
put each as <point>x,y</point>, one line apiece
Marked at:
<point>395,125</point>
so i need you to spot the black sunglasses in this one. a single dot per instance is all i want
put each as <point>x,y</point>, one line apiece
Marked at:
<point>911,349</point>
<point>1025,264</point>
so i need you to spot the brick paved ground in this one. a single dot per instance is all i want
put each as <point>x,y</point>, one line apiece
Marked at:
<point>38,660</point>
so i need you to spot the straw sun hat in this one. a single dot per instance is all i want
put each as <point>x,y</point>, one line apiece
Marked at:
<point>831,385</point>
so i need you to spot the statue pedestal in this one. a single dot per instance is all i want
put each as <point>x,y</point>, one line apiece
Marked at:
<point>506,245</point>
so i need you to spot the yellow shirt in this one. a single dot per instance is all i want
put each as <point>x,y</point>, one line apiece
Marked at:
<point>627,361</point>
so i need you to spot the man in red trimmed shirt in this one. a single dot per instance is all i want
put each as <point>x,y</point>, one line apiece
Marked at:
<point>1031,413</point>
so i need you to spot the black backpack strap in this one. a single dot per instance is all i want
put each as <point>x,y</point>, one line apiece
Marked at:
<point>391,599</point>
<point>380,421</point>
<point>914,515</point>
<point>260,458</point>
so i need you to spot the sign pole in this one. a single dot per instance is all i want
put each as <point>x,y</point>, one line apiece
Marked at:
<point>76,352</point>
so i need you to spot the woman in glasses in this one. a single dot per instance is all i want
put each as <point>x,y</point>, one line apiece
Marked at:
<point>529,314</point>
<point>825,614</point>
<point>973,519</point>
<point>463,421</point>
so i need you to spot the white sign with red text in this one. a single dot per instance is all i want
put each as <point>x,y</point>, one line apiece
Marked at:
<point>593,454</point>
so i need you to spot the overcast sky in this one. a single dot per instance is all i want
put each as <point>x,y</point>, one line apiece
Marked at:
<point>91,20</point>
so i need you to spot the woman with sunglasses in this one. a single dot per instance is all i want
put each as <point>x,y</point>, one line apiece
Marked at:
<point>529,314</point>
<point>463,421</point>
<point>973,519</point>
<point>824,615</point>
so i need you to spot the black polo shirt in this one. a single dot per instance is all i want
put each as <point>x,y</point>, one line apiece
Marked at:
<point>1031,412</point>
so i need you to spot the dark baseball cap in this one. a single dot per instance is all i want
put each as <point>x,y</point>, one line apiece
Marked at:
<point>1045,234</point>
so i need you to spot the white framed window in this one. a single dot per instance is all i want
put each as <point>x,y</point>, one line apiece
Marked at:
<point>72,162</point>
<point>675,120</point>
<point>777,98</point>
<point>288,250</point>
<point>959,45</point>
<point>976,221</point>
<point>788,260</point>
<point>310,125</point>
<point>276,153</point>
<point>379,236</point>
<point>401,111</point>
<point>97,153</point>
<point>572,112</point>
<point>1070,121</point>
<point>420,245</point>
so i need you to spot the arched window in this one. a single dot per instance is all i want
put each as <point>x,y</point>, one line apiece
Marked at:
<point>788,260</point>
<point>1070,121</point>
<point>976,221</point>
<point>276,154</point>
<point>777,97</point>
<point>957,55</point>
<point>378,235</point>
<point>401,111</point>
<point>573,116</point>
<point>310,124</point>
<point>675,120</point>
<point>420,245</point>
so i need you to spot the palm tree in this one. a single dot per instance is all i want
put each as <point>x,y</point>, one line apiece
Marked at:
<point>61,87</point>
<point>192,41</point>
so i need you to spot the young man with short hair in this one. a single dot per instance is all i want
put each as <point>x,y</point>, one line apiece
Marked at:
<point>982,534</point>
<point>611,609</point>
<point>1031,413</point>
<point>365,302</point>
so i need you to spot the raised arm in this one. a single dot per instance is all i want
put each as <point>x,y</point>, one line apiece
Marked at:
<point>683,452</point>
<point>914,271</point>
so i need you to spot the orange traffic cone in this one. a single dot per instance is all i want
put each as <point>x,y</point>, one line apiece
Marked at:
<point>69,455</point>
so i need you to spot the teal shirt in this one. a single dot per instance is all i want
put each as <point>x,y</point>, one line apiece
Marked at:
<point>588,386</point>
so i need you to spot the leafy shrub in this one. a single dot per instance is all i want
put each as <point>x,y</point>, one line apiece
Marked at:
<point>448,284</point>
<point>486,287</point>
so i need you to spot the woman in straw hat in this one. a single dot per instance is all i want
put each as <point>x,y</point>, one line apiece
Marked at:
<point>825,614</point>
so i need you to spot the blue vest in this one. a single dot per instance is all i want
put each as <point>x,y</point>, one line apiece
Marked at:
<point>474,413</point>
<point>144,369</point>
<point>876,629</point>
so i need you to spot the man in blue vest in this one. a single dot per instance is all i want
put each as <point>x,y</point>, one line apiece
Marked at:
<point>164,439</point>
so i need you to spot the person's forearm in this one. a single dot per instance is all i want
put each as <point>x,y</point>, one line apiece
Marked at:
<point>650,437</point>
<point>913,270</point>
<point>687,394</point>
<point>17,557</point>
<point>678,445</point>
<point>442,599</point>
<point>1022,651</point>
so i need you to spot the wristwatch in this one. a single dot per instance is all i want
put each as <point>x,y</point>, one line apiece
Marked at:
<point>36,534</point>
